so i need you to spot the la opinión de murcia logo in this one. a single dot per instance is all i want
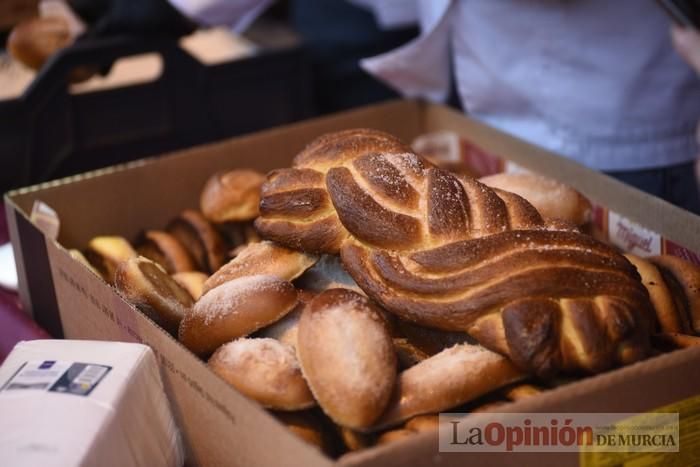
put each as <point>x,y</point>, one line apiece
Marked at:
<point>657,432</point>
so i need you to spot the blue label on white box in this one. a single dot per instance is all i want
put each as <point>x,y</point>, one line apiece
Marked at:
<point>57,376</point>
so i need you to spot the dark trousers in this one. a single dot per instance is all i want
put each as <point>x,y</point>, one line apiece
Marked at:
<point>676,184</point>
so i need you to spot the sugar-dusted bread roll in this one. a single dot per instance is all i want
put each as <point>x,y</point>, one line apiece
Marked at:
<point>33,41</point>
<point>235,309</point>
<point>453,377</point>
<point>146,285</point>
<point>553,199</point>
<point>105,253</point>
<point>347,357</point>
<point>262,258</point>
<point>166,250</point>
<point>192,281</point>
<point>265,370</point>
<point>232,196</point>
<point>203,242</point>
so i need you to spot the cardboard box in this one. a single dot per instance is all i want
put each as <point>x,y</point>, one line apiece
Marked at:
<point>219,425</point>
<point>67,402</point>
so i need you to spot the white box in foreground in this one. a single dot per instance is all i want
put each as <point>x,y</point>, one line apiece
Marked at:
<point>70,402</point>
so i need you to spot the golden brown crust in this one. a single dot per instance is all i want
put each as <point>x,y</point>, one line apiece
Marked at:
<point>683,278</point>
<point>347,357</point>
<point>664,304</point>
<point>232,196</point>
<point>448,252</point>
<point>204,244</point>
<point>553,199</point>
<point>164,249</point>
<point>192,281</point>
<point>264,370</point>
<point>235,309</point>
<point>105,253</point>
<point>34,41</point>
<point>394,435</point>
<point>521,391</point>
<point>146,285</point>
<point>265,258</point>
<point>453,377</point>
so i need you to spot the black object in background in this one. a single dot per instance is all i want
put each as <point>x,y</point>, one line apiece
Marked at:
<point>685,13</point>
<point>336,35</point>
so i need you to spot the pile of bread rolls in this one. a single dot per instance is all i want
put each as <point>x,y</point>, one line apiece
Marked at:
<point>364,290</point>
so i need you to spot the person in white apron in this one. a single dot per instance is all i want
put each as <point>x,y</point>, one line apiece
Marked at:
<point>597,81</point>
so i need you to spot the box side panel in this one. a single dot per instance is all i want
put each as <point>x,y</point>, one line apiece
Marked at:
<point>11,213</point>
<point>674,223</point>
<point>127,199</point>
<point>208,411</point>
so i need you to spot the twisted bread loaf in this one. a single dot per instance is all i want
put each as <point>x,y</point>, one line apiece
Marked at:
<point>446,251</point>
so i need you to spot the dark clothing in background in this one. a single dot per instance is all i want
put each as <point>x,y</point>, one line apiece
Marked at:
<point>675,184</point>
<point>337,35</point>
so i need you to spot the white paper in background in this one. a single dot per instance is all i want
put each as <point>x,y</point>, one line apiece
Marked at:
<point>8,272</point>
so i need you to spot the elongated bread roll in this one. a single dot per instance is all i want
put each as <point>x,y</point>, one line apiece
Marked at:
<point>146,285</point>
<point>551,198</point>
<point>164,249</point>
<point>192,281</point>
<point>262,258</point>
<point>106,252</point>
<point>199,237</point>
<point>347,357</point>
<point>667,316</point>
<point>232,196</point>
<point>265,370</point>
<point>683,278</point>
<point>235,309</point>
<point>453,377</point>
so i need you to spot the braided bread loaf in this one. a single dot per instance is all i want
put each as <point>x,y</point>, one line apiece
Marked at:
<point>446,251</point>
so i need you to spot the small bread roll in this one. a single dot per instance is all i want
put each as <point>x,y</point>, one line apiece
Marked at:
<point>454,376</point>
<point>521,391</point>
<point>235,309</point>
<point>34,41</point>
<point>153,291</point>
<point>286,329</point>
<point>265,370</point>
<point>553,199</point>
<point>661,298</point>
<point>347,356</point>
<point>202,241</point>
<point>263,258</point>
<point>683,279</point>
<point>164,249</point>
<point>106,252</point>
<point>232,196</point>
<point>192,281</point>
